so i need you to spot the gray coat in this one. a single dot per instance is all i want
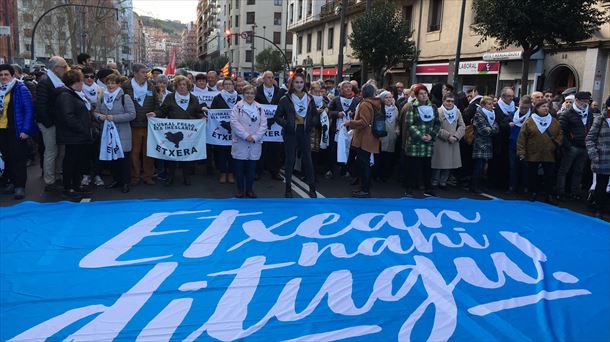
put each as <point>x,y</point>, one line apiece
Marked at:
<point>598,145</point>
<point>122,115</point>
<point>446,155</point>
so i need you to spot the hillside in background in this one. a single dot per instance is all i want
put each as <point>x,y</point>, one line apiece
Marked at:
<point>171,27</point>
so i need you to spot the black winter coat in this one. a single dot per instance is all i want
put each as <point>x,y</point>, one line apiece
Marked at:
<point>285,115</point>
<point>574,132</point>
<point>73,121</point>
<point>46,95</point>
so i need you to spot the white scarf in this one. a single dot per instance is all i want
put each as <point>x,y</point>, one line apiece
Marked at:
<point>450,114</point>
<point>390,114</point>
<point>608,121</point>
<point>542,122</point>
<point>251,111</point>
<point>583,113</point>
<point>200,93</point>
<point>101,84</point>
<point>475,98</point>
<point>490,114</point>
<point>110,97</point>
<point>300,105</point>
<point>269,93</point>
<point>4,89</point>
<point>83,96</point>
<point>90,92</point>
<point>230,98</point>
<point>325,123</point>
<point>426,113</point>
<point>57,83</point>
<point>165,93</point>
<point>139,91</point>
<point>507,109</point>
<point>318,100</point>
<point>345,103</point>
<point>519,120</point>
<point>183,100</point>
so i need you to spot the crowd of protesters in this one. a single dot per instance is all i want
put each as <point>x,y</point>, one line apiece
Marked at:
<point>552,148</point>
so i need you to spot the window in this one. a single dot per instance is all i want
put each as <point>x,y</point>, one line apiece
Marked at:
<point>249,39</point>
<point>250,18</point>
<point>28,47</point>
<point>277,18</point>
<point>407,12</point>
<point>289,38</point>
<point>248,55</point>
<point>237,3</point>
<point>277,38</point>
<point>300,9</point>
<point>236,21</point>
<point>277,2</point>
<point>309,7</point>
<point>126,50</point>
<point>291,13</point>
<point>251,2</point>
<point>48,50</point>
<point>300,45</point>
<point>236,39</point>
<point>319,41</point>
<point>309,42</point>
<point>435,15</point>
<point>331,36</point>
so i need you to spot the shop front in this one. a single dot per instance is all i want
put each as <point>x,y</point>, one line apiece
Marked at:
<point>472,74</point>
<point>511,65</point>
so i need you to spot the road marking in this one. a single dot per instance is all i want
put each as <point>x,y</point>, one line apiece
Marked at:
<point>305,186</point>
<point>489,196</point>
<point>85,200</point>
<point>296,188</point>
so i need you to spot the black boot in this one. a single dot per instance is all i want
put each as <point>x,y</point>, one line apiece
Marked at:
<point>312,191</point>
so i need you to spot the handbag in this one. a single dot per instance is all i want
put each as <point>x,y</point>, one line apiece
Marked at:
<point>469,134</point>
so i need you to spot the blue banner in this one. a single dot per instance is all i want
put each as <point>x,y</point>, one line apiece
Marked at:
<point>308,270</point>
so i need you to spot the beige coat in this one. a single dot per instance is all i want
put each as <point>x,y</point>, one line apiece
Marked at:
<point>446,155</point>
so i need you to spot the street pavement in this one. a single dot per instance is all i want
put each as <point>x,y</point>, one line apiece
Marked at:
<point>207,186</point>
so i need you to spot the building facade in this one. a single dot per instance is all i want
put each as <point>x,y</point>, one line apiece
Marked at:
<point>188,44</point>
<point>211,25</point>
<point>139,40</point>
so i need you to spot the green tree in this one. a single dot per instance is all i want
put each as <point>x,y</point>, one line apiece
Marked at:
<point>269,59</point>
<point>381,39</point>
<point>536,24</point>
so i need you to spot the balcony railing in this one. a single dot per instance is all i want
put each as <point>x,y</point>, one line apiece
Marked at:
<point>328,9</point>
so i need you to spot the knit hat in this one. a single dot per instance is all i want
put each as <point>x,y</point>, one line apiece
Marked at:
<point>583,95</point>
<point>570,97</point>
<point>420,87</point>
<point>103,73</point>
<point>608,102</point>
<point>383,95</point>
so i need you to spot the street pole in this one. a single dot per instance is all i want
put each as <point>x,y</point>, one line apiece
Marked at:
<point>82,30</point>
<point>253,49</point>
<point>458,52</point>
<point>364,68</point>
<point>341,41</point>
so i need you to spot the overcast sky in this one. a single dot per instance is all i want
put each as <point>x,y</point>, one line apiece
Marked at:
<point>181,10</point>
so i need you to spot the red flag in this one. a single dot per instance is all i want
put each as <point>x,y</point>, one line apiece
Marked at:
<point>171,66</point>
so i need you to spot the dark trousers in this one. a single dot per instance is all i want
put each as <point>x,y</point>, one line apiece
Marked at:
<point>573,158</point>
<point>420,171</point>
<point>499,169</point>
<point>549,176</point>
<point>518,171</point>
<point>76,163</point>
<point>15,154</point>
<point>600,190</point>
<point>95,165</point>
<point>188,168</point>
<point>466,170</point>
<point>121,169</point>
<point>244,174</point>
<point>384,164</point>
<point>292,144</point>
<point>272,157</point>
<point>363,161</point>
<point>478,167</point>
<point>223,159</point>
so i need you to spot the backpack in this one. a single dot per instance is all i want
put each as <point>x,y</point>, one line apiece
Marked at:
<point>378,125</point>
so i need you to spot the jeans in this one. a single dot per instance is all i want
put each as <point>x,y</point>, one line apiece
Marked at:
<point>440,176</point>
<point>419,170</point>
<point>518,171</point>
<point>574,158</point>
<point>223,159</point>
<point>15,155</point>
<point>548,178</point>
<point>53,155</point>
<point>244,174</point>
<point>301,142</point>
<point>272,157</point>
<point>138,146</point>
<point>600,190</point>
<point>363,159</point>
<point>76,164</point>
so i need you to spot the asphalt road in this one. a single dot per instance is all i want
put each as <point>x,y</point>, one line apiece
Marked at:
<point>207,186</point>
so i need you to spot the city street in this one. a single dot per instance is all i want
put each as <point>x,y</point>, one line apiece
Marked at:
<point>207,186</point>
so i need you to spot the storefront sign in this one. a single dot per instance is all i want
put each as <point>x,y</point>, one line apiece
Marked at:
<point>466,68</point>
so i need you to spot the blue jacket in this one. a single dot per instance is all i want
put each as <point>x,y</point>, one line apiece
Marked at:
<point>23,108</point>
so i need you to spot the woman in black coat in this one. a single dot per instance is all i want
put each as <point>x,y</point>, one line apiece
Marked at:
<point>74,130</point>
<point>298,115</point>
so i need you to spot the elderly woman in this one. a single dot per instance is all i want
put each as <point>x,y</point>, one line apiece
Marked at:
<point>248,127</point>
<point>180,105</point>
<point>598,148</point>
<point>161,88</point>
<point>539,138</point>
<point>227,99</point>
<point>385,164</point>
<point>446,152</point>
<point>118,107</point>
<point>485,128</point>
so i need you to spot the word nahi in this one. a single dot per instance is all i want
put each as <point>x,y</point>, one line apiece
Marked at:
<point>320,234</point>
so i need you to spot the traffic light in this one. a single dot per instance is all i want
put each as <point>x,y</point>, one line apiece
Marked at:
<point>228,35</point>
<point>290,73</point>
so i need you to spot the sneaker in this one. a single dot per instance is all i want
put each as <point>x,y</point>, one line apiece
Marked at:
<point>71,194</point>
<point>98,181</point>
<point>19,193</point>
<point>328,175</point>
<point>85,181</point>
<point>429,193</point>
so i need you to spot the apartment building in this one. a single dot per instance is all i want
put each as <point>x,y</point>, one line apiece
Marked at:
<point>188,44</point>
<point>211,15</point>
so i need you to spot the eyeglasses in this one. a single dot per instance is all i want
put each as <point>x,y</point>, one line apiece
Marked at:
<point>90,76</point>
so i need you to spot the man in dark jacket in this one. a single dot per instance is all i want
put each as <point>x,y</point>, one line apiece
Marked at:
<point>270,94</point>
<point>575,123</point>
<point>475,96</point>
<point>16,126</point>
<point>498,165</point>
<point>46,93</point>
<point>340,109</point>
<point>144,96</point>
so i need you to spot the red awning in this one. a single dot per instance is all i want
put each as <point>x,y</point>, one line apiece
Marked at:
<point>466,68</point>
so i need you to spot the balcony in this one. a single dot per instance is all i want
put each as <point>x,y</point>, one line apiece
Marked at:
<point>326,13</point>
<point>328,9</point>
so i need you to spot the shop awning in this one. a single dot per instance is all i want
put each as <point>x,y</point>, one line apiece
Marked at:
<point>466,68</point>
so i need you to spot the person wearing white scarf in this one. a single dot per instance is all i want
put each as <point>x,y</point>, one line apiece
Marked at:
<point>5,89</point>
<point>384,166</point>
<point>517,169</point>
<point>446,153</point>
<point>223,160</point>
<point>538,141</point>
<point>486,128</point>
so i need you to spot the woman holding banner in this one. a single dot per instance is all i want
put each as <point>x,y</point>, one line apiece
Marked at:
<point>298,115</point>
<point>118,107</point>
<point>227,99</point>
<point>248,127</point>
<point>184,106</point>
